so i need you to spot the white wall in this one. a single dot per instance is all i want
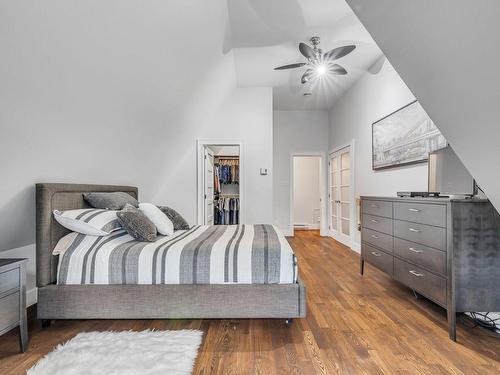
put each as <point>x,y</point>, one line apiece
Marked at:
<point>445,51</point>
<point>114,92</point>
<point>294,132</point>
<point>306,196</point>
<point>371,98</point>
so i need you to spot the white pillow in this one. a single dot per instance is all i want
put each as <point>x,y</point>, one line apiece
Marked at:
<point>163,224</point>
<point>64,243</point>
<point>91,221</point>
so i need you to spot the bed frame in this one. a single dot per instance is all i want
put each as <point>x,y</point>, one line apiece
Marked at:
<point>142,301</point>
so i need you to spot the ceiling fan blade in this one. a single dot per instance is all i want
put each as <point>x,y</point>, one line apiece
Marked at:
<point>337,69</point>
<point>290,66</point>
<point>306,76</point>
<point>339,52</point>
<point>306,51</point>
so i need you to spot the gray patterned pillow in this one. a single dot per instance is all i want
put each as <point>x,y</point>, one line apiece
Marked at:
<point>179,222</point>
<point>110,201</point>
<point>137,224</point>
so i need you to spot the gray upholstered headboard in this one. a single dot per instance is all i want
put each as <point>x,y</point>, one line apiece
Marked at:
<point>50,197</point>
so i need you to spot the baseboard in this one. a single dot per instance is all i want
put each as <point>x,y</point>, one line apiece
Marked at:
<point>356,247</point>
<point>287,232</point>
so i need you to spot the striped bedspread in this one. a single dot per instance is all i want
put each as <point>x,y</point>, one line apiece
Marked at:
<point>219,254</point>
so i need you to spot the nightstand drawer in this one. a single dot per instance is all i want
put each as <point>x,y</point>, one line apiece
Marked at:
<point>427,257</point>
<point>430,214</point>
<point>381,240</point>
<point>9,280</point>
<point>378,223</point>
<point>423,234</point>
<point>377,258</point>
<point>378,208</point>
<point>424,282</point>
<point>9,310</point>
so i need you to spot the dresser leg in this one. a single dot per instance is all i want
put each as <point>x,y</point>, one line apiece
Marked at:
<point>23,333</point>
<point>361,266</point>
<point>452,324</point>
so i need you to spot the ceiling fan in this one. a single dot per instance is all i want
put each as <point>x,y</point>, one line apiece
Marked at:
<point>319,64</point>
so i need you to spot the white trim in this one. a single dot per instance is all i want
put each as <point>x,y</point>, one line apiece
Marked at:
<point>200,145</point>
<point>323,170</point>
<point>353,214</point>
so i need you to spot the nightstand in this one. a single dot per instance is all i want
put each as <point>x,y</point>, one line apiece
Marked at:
<point>13,298</point>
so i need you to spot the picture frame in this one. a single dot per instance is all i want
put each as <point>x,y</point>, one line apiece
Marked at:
<point>404,137</point>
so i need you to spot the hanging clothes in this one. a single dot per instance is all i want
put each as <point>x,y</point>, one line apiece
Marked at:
<point>226,211</point>
<point>228,171</point>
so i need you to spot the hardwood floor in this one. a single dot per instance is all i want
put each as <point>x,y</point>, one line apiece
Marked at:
<point>354,325</point>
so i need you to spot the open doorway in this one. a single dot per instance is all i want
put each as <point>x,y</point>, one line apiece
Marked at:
<point>219,184</point>
<point>306,202</point>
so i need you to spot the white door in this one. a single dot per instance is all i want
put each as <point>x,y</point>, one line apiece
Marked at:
<point>208,187</point>
<point>339,195</point>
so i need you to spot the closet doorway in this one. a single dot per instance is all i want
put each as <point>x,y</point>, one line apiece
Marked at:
<point>219,183</point>
<point>307,192</point>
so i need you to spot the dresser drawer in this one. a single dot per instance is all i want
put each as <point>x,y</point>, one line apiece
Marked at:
<point>430,214</point>
<point>378,258</point>
<point>423,234</point>
<point>424,282</point>
<point>378,223</point>
<point>377,208</point>
<point>427,257</point>
<point>381,240</point>
<point>9,280</point>
<point>9,310</point>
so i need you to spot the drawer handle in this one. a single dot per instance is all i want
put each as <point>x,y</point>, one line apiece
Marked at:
<point>373,206</point>
<point>415,273</point>
<point>374,236</point>
<point>413,210</point>
<point>376,254</point>
<point>414,230</point>
<point>415,250</point>
<point>374,221</point>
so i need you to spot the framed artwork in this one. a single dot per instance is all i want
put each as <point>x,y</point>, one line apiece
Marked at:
<point>404,137</point>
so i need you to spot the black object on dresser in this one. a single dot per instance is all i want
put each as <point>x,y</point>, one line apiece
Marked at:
<point>447,250</point>
<point>13,298</point>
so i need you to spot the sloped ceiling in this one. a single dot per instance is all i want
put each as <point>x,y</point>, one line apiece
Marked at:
<point>266,34</point>
<point>447,53</point>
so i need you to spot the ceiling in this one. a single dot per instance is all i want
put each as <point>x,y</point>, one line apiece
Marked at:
<point>264,34</point>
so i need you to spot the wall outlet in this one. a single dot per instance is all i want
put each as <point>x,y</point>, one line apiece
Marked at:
<point>263,171</point>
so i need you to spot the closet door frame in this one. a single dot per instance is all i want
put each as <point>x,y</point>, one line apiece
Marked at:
<point>353,211</point>
<point>323,187</point>
<point>200,166</point>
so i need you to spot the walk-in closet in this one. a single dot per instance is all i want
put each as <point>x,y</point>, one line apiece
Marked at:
<point>222,185</point>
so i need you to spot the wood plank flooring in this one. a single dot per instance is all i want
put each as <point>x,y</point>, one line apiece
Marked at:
<point>354,325</point>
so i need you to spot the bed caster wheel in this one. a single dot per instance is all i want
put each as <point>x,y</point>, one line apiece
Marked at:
<point>289,322</point>
<point>46,323</point>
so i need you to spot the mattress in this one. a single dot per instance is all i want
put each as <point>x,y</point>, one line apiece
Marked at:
<point>215,254</point>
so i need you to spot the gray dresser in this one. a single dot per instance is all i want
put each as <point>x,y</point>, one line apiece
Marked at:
<point>13,298</point>
<point>447,250</point>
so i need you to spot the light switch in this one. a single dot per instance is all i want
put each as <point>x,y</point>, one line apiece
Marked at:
<point>263,171</point>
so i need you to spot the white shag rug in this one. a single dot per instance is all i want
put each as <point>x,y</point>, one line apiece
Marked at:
<point>125,353</point>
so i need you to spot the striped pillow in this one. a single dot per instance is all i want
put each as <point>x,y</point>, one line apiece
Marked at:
<point>91,221</point>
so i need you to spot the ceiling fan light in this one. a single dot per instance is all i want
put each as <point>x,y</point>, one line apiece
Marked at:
<point>321,69</point>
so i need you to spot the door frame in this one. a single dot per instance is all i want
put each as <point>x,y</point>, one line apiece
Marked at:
<point>200,148</point>
<point>353,227</point>
<point>323,170</point>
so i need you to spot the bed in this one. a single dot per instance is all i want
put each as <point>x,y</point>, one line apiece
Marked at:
<point>259,284</point>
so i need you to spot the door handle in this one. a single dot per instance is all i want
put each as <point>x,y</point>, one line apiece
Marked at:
<point>376,254</point>
<point>415,273</point>
<point>413,210</point>
<point>414,230</point>
<point>415,250</point>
